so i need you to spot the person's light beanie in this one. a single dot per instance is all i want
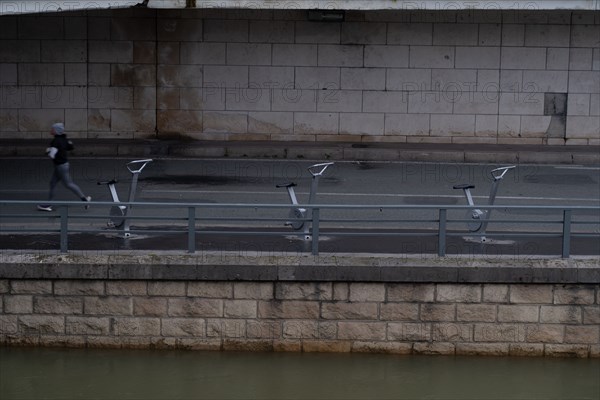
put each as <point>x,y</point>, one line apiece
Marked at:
<point>59,128</point>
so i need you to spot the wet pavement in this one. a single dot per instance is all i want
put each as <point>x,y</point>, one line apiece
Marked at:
<point>252,182</point>
<point>276,242</point>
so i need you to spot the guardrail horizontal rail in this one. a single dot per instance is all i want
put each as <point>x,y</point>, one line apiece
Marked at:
<point>195,214</point>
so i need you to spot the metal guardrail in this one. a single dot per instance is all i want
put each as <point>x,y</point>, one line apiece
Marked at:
<point>189,214</point>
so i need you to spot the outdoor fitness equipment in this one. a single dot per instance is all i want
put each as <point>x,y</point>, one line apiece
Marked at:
<point>118,213</point>
<point>298,215</point>
<point>480,218</point>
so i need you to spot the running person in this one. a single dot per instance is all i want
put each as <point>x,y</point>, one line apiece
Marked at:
<point>57,151</point>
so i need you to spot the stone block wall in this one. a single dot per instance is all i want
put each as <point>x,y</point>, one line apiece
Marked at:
<point>398,318</point>
<point>497,77</point>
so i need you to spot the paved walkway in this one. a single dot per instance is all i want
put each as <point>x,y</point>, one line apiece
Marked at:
<point>425,152</point>
<point>268,244</point>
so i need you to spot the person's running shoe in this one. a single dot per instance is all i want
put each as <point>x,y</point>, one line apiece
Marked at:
<point>43,207</point>
<point>88,199</point>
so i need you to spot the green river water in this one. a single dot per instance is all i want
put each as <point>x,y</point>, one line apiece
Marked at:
<point>38,373</point>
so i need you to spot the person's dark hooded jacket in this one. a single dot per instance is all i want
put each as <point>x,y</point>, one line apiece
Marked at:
<point>61,144</point>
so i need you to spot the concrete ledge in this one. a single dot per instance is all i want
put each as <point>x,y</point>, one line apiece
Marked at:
<point>47,6</point>
<point>586,155</point>
<point>222,266</point>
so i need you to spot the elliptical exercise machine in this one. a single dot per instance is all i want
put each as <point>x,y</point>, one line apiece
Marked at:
<point>480,218</point>
<point>298,216</point>
<point>118,213</point>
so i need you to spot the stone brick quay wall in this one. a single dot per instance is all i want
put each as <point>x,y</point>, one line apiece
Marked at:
<point>402,76</point>
<point>380,304</point>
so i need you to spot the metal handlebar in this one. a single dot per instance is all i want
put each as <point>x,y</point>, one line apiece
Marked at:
<point>323,167</point>
<point>504,170</point>
<point>137,171</point>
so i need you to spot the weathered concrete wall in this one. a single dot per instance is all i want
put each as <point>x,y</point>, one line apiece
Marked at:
<point>421,318</point>
<point>341,304</point>
<point>499,77</point>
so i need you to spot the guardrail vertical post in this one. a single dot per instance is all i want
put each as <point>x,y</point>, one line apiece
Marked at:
<point>63,211</point>
<point>191,229</point>
<point>442,233</point>
<point>566,237</point>
<point>315,231</point>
